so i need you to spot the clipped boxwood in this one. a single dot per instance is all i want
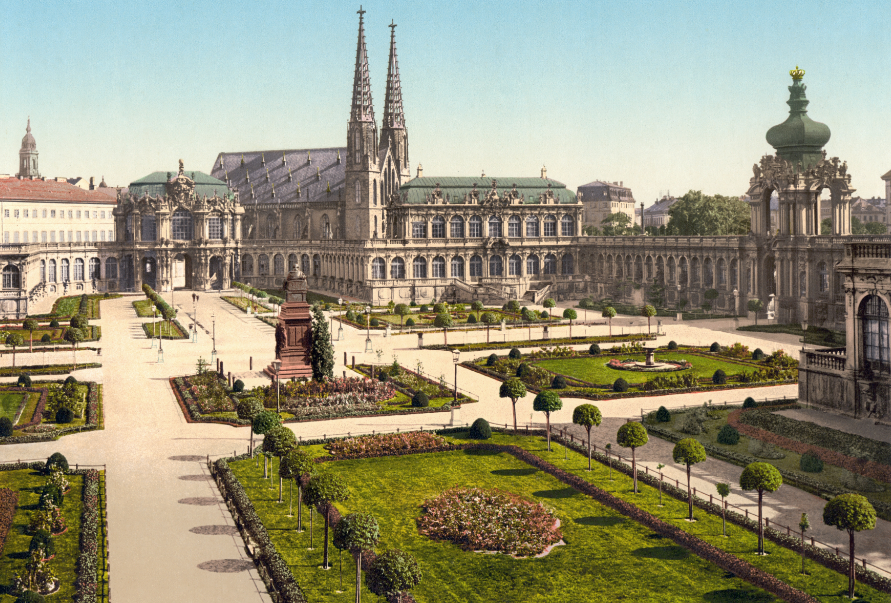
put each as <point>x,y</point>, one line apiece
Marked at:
<point>524,371</point>
<point>620,385</point>
<point>728,435</point>
<point>662,415</point>
<point>514,354</point>
<point>491,360</point>
<point>672,345</point>
<point>559,382</point>
<point>480,430</point>
<point>70,380</point>
<point>758,354</point>
<point>5,427</point>
<point>374,322</point>
<point>715,347</point>
<point>64,415</point>
<point>471,319</point>
<point>238,386</point>
<point>54,323</point>
<point>719,378</point>
<point>24,381</point>
<point>420,400</point>
<point>45,339</point>
<point>410,322</point>
<point>811,463</point>
<point>594,350</point>
<point>56,459</point>
<point>424,308</point>
<point>750,403</point>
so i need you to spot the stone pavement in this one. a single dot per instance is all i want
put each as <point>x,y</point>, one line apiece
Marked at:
<point>170,538</point>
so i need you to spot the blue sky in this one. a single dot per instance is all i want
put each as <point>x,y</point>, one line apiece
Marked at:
<point>664,96</point>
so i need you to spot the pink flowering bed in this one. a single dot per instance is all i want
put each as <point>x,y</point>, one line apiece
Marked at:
<point>320,399</point>
<point>383,444</point>
<point>489,520</point>
<point>634,365</point>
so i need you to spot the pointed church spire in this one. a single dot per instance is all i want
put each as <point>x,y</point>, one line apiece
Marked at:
<point>362,108</point>
<point>394,117</point>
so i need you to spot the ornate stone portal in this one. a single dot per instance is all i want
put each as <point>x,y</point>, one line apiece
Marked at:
<point>293,335</point>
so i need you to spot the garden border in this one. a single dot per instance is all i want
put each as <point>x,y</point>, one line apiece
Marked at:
<point>9,500</point>
<point>145,327</point>
<point>494,345</point>
<point>93,418</point>
<point>54,369</point>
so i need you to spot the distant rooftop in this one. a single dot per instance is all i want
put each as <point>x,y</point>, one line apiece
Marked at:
<point>455,189</point>
<point>14,189</point>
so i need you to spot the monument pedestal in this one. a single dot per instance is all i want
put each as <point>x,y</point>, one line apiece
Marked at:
<point>293,335</point>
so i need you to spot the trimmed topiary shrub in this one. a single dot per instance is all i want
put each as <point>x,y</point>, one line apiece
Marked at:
<point>750,403</point>
<point>811,463</point>
<point>728,435</point>
<point>24,381</point>
<point>480,430</point>
<point>45,339</point>
<point>715,347</point>
<point>70,380</point>
<point>375,322</point>
<point>662,415</point>
<point>382,376</point>
<point>559,382</point>
<point>42,539</point>
<point>5,427</point>
<point>523,371</point>
<point>64,415</point>
<point>719,378</point>
<point>56,459</point>
<point>594,350</point>
<point>758,354</point>
<point>440,308</point>
<point>410,322</point>
<point>620,385</point>
<point>514,354</point>
<point>350,315</point>
<point>544,314</point>
<point>420,400</point>
<point>424,308</point>
<point>54,323</point>
<point>672,345</point>
<point>238,386</point>
<point>491,360</point>
<point>471,319</point>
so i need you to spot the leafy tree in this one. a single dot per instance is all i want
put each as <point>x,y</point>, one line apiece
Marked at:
<point>547,402</point>
<point>292,467</point>
<point>489,319</point>
<point>711,295</point>
<point>754,306</point>
<point>391,573</point>
<point>30,325</point>
<point>851,512</point>
<point>263,423</point>
<point>609,313</point>
<point>55,460</point>
<point>689,452</point>
<point>571,315</point>
<point>14,340</point>
<point>648,311</point>
<point>724,492</point>
<point>616,225</point>
<point>762,477</point>
<point>857,227</point>
<point>549,303</point>
<point>632,435</point>
<point>440,308</point>
<point>513,306</point>
<point>708,215</point>
<point>321,355</point>
<point>74,337</point>
<point>247,409</point>
<point>79,321</point>
<point>357,532</point>
<point>443,321</point>
<point>591,231</point>
<point>656,295</point>
<point>875,228</point>
<point>322,492</point>
<point>514,389</point>
<point>278,441</point>
<point>587,415</point>
<point>477,306</point>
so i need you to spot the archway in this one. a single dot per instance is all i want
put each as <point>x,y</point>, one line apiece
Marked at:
<point>182,271</point>
<point>216,272</point>
<point>149,272</point>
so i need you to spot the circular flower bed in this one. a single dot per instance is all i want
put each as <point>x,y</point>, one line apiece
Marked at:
<point>642,367</point>
<point>489,520</point>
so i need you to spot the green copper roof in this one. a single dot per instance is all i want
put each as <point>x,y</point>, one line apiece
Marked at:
<point>799,139</point>
<point>156,184</point>
<point>457,189</point>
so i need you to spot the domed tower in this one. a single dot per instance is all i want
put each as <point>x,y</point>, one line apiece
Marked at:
<point>28,155</point>
<point>799,140</point>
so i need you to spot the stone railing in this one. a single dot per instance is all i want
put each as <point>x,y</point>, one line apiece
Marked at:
<point>833,359</point>
<point>879,251</point>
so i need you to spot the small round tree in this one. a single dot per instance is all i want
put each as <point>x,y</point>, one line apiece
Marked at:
<point>357,533</point>
<point>754,306</point>
<point>514,389</point>
<point>79,321</point>
<point>293,466</point>
<point>278,441</point>
<point>391,573</point>
<point>514,354</point>
<point>689,452</point>
<point>14,340</point>
<point>489,319</point>
<point>513,306</point>
<point>594,350</point>
<point>588,416</point>
<point>74,337</point>
<point>247,409</point>
<point>571,315</point>
<point>30,325</point>
<point>402,310</point>
<point>719,378</point>
<point>723,492</point>
<point>632,435</point>
<point>5,427</point>
<point>443,321</point>
<point>762,477</point>
<point>323,491</point>
<point>491,360</point>
<point>477,306</point>
<point>851,512</point>
<point>609,313</point>
<point>649,312</point>
<point>663,415</point>
<point>549,303</point>
<point>547,402</point>
<point>263,423</point>
<point>56,459</point>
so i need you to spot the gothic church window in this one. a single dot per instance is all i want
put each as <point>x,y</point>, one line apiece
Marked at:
<point>874,321</point>
<point>397,268</point>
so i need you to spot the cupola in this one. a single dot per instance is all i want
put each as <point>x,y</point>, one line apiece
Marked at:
<point>799,139</point>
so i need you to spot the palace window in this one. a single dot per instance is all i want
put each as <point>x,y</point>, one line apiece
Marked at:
<point>550,226</point>
<point>476,227</point>
<point>78,269</point>
<point>304,264</point>
<point>437,228</point>
<point>263,265</point>
<point>419,268</point>
<point>438,266</point>
<point>568,264</point>
<point>456,227</point>
<point>278,264</point>
<point>476,266</point>
<point>181,225</point>
<point>802,283</point>
<point>42,271</point>
<point>419,230</point>
<point>550,264</point>
<point>111,268</point>
<point>51,272</point>
<point>532,227</point>
<point>514,265</point>
<point>457,267</point>
<point>247,264</point>
<point>722,274</point>
<point>64,270</point>
<point>378,269</point>
<point>874,320</point>
<point>397,268</point>
<point>11,277</point>
<point>496,266</point>
<point>149,228</point>
<point>532,265</point>
<point>824,277</point>
<point>214,227</point>
<point>567,226</point>
<point>494,226</point>
<point>514,227</point>
<point>94,268</point>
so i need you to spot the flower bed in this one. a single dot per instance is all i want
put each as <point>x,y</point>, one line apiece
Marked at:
<point>382,444</point>
<point>169,329</point>
<point>636,366</point>
<point>409,383</point>
<point>9,499</point>
<point>505,345</point>
<point>92,420</point>
<point>489,520</point>
<point>243,303</point>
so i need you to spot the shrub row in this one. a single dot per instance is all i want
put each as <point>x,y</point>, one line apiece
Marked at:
<point>182,330</point>
<point>88,564</point>
<point>496,345</point>
<point>259,293</point>
<point>747,422</point>
<point>45,369</point>
<point>9,499</point>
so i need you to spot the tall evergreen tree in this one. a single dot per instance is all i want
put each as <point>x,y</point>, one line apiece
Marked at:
<point>321,356</point>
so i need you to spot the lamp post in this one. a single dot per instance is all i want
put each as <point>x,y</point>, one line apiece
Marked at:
<point>804,336</point>
<point>340,323</point>
<point>161,340</point>
<point>195,317</point>
<point>456,356</point>
<point>277,364</point>
<point>213,353</point>
<point>368,328</point>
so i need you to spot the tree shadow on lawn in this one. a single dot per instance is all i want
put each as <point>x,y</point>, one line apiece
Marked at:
<point>557,493</point>
<point>604,522</point>
<point>515,472</point>
<point>737,595</point>
<point>672,552</point>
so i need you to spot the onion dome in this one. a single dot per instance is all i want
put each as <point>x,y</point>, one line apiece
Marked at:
<point>799,139</point>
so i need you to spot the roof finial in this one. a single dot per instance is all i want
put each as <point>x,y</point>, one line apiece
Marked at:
<point>797,74</point>
<point>180,167</point>
<point>28,128</point>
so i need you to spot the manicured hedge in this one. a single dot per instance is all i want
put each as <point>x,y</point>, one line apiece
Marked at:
<point>46,369</point>
<point>91,423</point>
<point>503,345</point>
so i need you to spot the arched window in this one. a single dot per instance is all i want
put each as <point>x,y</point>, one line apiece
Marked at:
<point>550,226</point>
<point>51,273</point>
<point>550,264</point>
<point>494,226</point>
<point>722,273</point>
<point>568,264</point>
<point>802,284</point>
<point>476,227</point>
<point>532,226</point>
<point>437,227</point>
<point>457,267</point>
<point>111,268</point>
<point>456,227</point>
<point>515,265</point>
<point>11,277</point>
<point>247,265</point>
<point>292,261</point>
<point>419,267</point>
<point>95,265</point>
<point>304,264</point>
<point>378,268</point>
<point>316,265</point>
<point>694,272</point>
<point>419,229</point>
<point>181,225</point>
<point>476,266</point>
<point>567,226</point>
<point>374,188</point>
<point>438,266</point>
<point>874,322</point>
<point>734,274</point>
<point>65,275</point>
<point>326,227</point>
<point>42,271</point>
<point>824,277</point>
<point>397,268</point>
<point>514,227</point>
<point>496,265</point>
<point>215,227</point>
<point>298,228</point>
<point>263,265</point>
<point>682,267</point>
<point>708,277</point>
<point>278,263</point>
<point>78,269</point>
<point>533,265</point>
<point>149,229</point>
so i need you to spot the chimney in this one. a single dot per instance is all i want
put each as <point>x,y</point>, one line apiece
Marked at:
<point>621,183</point>
<point>544,173</point>
<point>91,183</point>
<point>420,171</point>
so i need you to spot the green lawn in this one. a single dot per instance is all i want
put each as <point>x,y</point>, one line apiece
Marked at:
<point>813,335</point>
<point>168,330</point>
<point>595,370</point>
<point>15,551</point>
<point>243,303</point>
<point>30,407</point>
<point>144,308</point>
<point>10,403</point>
<point>606,556</point>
